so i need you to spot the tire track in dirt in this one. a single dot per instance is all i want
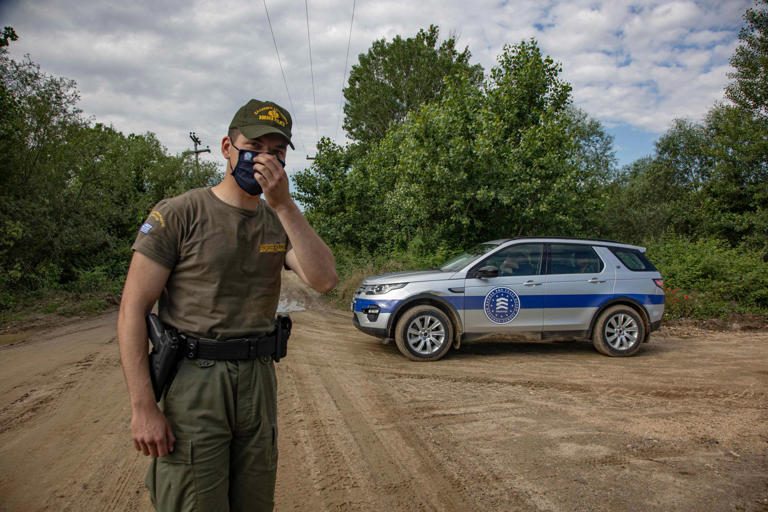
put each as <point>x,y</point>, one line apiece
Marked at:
<point>446,434</point>
<point>392,454</point>
<point>44,396</point>
<point>326,448</point>
<point>760,397</point>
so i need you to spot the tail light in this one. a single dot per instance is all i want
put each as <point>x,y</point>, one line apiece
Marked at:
<point>659,283</point>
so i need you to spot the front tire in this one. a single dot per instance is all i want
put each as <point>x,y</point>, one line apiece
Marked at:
<point>619,332</point>
<point>424,333</point>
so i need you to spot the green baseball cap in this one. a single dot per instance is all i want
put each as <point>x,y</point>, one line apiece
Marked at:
<point>257,118</point>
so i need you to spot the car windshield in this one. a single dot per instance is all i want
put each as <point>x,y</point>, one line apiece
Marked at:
<point>463,259</point>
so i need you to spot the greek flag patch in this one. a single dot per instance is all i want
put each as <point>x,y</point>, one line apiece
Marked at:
<point>146,228</point>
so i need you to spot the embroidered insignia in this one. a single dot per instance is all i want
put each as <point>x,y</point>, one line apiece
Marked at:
<point>158,217</point>
<point>271,114</point>
<point>272,248</point>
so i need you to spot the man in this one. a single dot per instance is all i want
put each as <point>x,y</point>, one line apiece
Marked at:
<point>213,258</point>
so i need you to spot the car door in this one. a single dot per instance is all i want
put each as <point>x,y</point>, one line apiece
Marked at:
<point>503,303</point>
<point>577,282</point>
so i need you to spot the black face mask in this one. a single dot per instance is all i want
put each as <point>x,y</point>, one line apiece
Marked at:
<point>243,171</point>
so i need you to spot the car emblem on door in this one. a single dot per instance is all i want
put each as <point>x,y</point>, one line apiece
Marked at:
<point>501,305</point>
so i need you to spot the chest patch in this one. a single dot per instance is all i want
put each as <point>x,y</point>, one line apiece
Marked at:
<point>272,248</point>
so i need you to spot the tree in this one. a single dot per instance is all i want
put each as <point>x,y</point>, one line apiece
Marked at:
<point>8,35</point>
<point>662,194</point>
<point>750,87</point>
<point>706,179</point>
<point>394,78</point>
<point>737,188</point>
<point>40,111</point>
<point>525,90</point>
<point>505,159</point>
<point>72,193</point>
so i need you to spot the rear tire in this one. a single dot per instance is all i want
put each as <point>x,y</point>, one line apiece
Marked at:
<point>619,332</point>
<point>424,333</point>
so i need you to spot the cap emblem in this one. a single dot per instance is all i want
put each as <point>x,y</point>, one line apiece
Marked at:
<point>271,114</point>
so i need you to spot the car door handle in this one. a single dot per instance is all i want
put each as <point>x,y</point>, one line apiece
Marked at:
<point>595,280</point>
<point>531,282</point>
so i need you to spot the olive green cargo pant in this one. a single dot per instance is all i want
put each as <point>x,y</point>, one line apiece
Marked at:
<point>224,417</point>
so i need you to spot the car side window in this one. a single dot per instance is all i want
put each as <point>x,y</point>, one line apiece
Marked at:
<point>574,259</point>
<point>632,259</point>
<point>517,260</point>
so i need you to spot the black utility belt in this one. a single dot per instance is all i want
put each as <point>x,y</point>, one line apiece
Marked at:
<point>231,349</point>
<point>274,345</point>
<point>169,346</point>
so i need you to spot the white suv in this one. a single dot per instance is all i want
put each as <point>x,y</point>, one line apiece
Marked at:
<point>522,288</point>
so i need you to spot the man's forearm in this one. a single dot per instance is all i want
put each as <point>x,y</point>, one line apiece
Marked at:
<point>132,337</point>
<point>314,256</point>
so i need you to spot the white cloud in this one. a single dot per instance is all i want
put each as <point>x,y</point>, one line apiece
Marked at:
<point>171,67</point>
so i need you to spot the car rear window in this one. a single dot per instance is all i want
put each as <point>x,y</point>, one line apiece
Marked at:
<point>633,259</point>
<point>574,259</point>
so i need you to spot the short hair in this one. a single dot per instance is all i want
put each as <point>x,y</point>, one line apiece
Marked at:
<point>232,134</point>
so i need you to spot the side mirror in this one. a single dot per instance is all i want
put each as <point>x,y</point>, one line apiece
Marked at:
<point>486,272</point>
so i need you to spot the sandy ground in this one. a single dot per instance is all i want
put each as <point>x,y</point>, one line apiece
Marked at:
<point>494,427</point>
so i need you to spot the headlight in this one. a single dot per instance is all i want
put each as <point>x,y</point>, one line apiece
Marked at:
<point>381,289</point>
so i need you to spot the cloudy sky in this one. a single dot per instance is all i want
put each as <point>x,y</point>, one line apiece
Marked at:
<point>172,67</point>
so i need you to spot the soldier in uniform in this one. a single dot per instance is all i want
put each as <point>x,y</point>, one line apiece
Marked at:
<point>213,258</point>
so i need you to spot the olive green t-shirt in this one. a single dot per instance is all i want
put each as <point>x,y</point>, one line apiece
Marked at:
<point>225,264</point>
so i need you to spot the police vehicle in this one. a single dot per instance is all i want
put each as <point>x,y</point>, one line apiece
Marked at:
<point>522,288</point>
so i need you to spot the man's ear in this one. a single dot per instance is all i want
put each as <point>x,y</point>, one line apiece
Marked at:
<point>226,146</point>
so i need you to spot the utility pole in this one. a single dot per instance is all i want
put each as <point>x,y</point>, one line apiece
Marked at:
<point>196,142</point>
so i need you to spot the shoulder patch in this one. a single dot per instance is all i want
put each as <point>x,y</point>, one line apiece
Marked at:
<point>156,215</point>
<point>146,228</point>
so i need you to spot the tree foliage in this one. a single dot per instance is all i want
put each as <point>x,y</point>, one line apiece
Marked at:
<point>72,193</point>
<point>396,77</point>
<point>506,157</point>
<point>9,34</point>
<point>750,87</point>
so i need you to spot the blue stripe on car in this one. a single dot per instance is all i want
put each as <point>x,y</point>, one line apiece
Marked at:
<point>526,301</point>
<point>567,301</point>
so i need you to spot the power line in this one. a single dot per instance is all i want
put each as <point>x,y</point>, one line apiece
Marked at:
<point>311,70</point>
<point>346,63</point>
<point>285,81</point>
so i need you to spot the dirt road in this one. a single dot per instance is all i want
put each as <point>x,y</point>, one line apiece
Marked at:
<point>494,427</point>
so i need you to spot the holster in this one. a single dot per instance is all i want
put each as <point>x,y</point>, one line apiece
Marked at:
<point>282,333</point>
<point>164,356</point>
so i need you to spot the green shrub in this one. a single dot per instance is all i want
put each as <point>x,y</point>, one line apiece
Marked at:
<point>706,278</point>
<point>90,280</point>
<point>353,267</point>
